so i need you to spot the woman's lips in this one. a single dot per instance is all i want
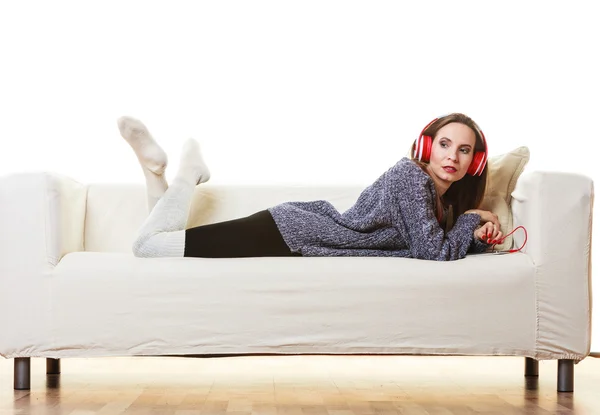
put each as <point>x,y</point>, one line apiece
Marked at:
<point>450,169</point>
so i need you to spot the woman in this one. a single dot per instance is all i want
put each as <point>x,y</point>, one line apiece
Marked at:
<point>402,214</point>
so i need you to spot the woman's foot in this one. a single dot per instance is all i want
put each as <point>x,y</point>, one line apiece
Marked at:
<point>148,152</point>
<point>192,166</point>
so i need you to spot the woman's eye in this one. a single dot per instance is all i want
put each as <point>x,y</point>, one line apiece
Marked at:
<point>444,144</point>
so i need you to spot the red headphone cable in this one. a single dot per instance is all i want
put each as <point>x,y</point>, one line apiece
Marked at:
<point>506,236</point>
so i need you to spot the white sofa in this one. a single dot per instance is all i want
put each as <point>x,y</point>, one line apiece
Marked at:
<point>71,287</point>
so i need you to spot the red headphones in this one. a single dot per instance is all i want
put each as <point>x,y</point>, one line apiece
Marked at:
<point>423,144</point>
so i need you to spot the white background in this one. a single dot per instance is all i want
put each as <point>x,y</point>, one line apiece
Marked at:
<point>294,91</point>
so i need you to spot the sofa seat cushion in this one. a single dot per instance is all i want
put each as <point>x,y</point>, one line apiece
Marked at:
<point>113,304</point>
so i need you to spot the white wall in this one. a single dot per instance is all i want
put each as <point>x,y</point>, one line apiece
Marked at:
<point>281,91</point>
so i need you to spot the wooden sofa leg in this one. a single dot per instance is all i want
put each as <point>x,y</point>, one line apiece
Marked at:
<point>566,375</point>
<point>22,373</point>
<point>52,366</point>
<point>531,367</point>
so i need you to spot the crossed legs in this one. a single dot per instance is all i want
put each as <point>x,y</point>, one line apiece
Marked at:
<point>163,232</point>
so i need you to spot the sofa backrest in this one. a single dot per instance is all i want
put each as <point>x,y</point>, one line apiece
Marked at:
<point>115,212</point>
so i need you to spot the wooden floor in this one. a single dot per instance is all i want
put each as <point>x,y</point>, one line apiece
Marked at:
<point>327,385</point>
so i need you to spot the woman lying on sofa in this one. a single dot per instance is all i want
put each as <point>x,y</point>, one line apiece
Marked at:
<point>404,213</point>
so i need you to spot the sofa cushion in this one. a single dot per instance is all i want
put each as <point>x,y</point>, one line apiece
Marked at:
<point>503,172</point>
<point>112,304</point>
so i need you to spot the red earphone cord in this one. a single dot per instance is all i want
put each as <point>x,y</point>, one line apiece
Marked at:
<point>506,236</point>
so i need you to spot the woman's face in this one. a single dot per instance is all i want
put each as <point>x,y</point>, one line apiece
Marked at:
<point>451,154</point>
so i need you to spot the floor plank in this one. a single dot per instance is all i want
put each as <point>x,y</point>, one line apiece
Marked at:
<point>299,385</point>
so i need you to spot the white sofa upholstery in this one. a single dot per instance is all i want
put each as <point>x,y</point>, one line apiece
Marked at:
<point>71,287</point>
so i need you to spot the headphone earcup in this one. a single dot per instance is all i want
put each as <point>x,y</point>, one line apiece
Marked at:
<point>423,148</point>
<point>477,164</point>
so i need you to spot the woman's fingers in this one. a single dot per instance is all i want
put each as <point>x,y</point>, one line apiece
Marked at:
<point>490,233</point>
<point>496,238</point>
<point>489,228</point>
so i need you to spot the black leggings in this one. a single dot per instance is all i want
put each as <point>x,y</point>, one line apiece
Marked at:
<point>253,236</point>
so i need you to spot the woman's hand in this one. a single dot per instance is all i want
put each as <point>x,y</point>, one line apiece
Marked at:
<point>486,216</point>
<point>488,233</point>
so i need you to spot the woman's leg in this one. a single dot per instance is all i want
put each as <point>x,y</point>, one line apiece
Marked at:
<point>163,232</point>
<point>256,235</point>
<point>151,156</point>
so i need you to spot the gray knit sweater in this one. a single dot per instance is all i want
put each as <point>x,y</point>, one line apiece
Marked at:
<point>392,217</point>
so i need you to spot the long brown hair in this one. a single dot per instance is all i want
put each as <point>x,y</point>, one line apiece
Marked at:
<point>467,193</point>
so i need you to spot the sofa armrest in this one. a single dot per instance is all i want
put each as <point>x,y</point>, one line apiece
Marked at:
<point>556,209</point>
<point>42,218</point>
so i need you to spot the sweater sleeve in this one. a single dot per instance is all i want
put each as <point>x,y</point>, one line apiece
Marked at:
<point>478,246</point>
<point>425,238</point>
